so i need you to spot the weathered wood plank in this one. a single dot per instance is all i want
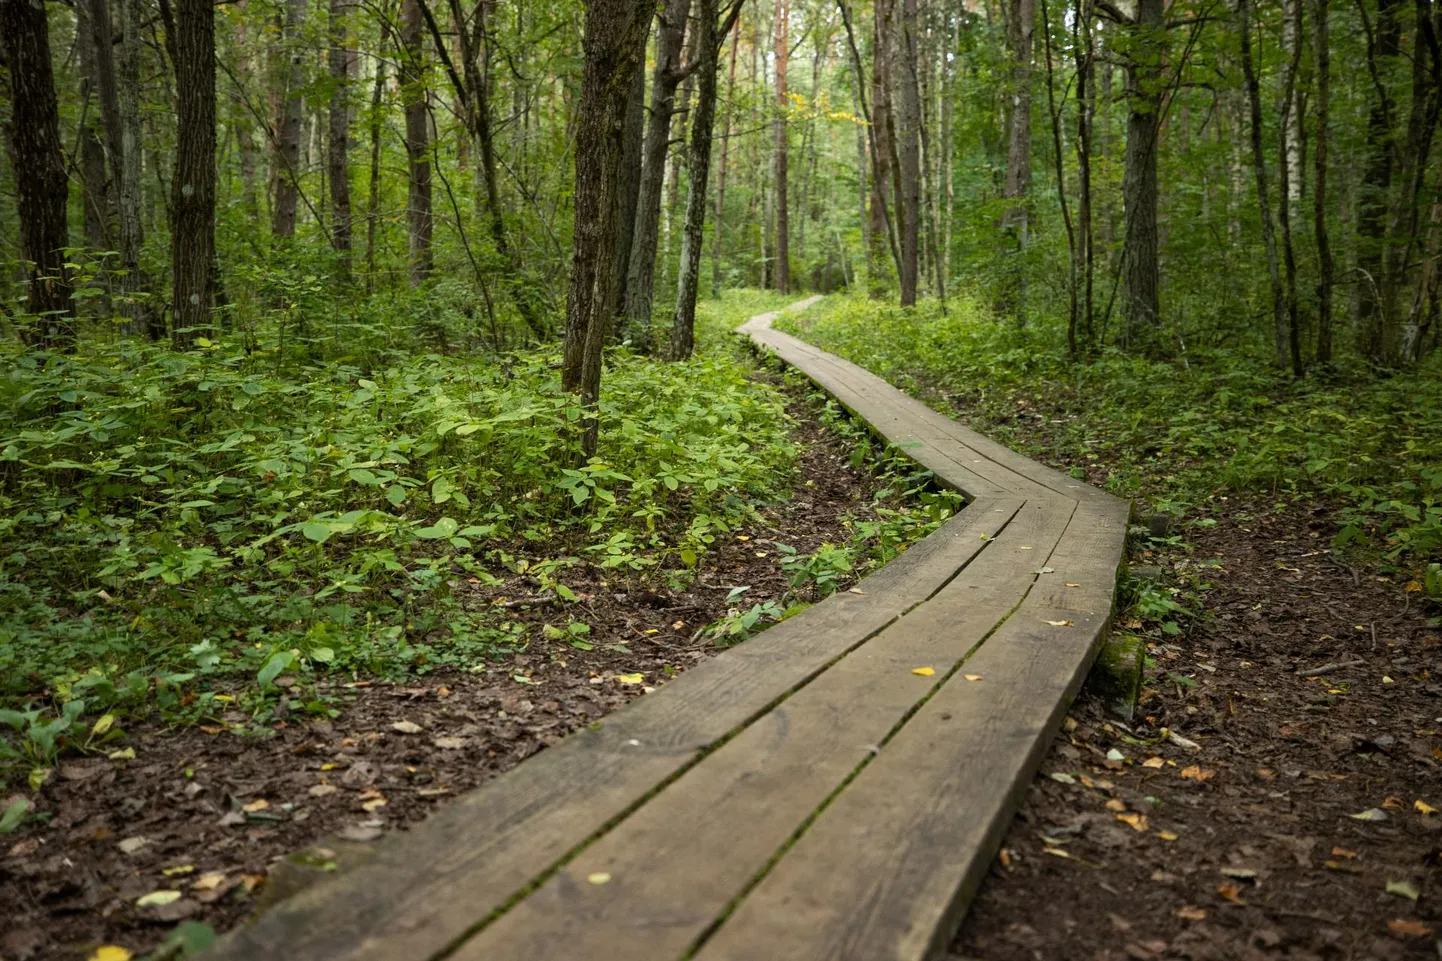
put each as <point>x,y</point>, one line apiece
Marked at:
<point>671,868</point>
<point>886,871</point>
<point>427,889</point>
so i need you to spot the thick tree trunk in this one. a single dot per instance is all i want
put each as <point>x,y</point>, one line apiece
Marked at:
<point>39,167</point>
<point>614,45</point>
<point>192,195</point>
<point>909,204</point>
<point>783,153</point>
<point>1382,54</point>
<point>95,188</point>
<point>628,195</point>
<point>338,143</point>
<point>718,228</point>
<point>287,143</point>
<point>1141,284</point>
<point>1015,222</point>
<point>118,74</point>
<point>665,78</point>
<point>689,277</point>
<point>1325,267</point>
<point>418,142</point>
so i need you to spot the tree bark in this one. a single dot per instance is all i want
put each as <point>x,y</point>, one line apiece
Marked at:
<point>881,150</point>
<point>718,228</point>
<point>708,43</point>
<point>287,142</point>
<point>1289,339</point>
<point>39,167</point>
<point>338,143</point>
<point>192,196</point>
<point>1259,168</point>
<point>418,142</point>
<point>374,183</point>
<point>95,192</point>
<point>783,153</point>
<point>628,195</point>
<point>1325,267</point>
<point>613,46</point>
<point>1384,48</point>
<point>909,204</point>
<point>1086,100</point>
<point>665,78</point>
<point>118,71</point>
<point>1141,306</point>
<point>1015,225</point>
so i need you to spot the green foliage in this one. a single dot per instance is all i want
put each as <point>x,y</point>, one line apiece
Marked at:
<point>1187,434</point>
<point>300,496</point>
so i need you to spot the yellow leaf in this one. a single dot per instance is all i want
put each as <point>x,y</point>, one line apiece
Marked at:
<point>924,671</point>
<point>1339,852</point>
<point>1061,623</point>
<point>157,899</point>
<point>210,881</point>
<point>1115,805</point>
<point>1413,587</point>
<point>111,952</point>
<point>598,877</point>
<point>1422,807</point>
<point>259,804</point>
<point>329,766</point>
<point>102,725</point>
<point>972,677</point>
<point>374,803</point>
<point>1192,914</point>
<point>1153,762</point>
<point>636,678</point>
<point>224,697</point>
<point>1166,835</point>
<point>178,869</point>
<point>1137,822</point>
<point>1197,774</point>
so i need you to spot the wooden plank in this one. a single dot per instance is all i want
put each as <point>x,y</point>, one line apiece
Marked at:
<point>671,868</point>
<point>885,874</point>
<point>427,889</point>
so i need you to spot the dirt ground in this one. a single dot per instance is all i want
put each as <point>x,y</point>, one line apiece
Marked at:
<point>206,813</point>
<point>1258,807</point>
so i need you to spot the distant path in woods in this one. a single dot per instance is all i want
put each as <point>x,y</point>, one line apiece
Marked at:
<point>834,788</point>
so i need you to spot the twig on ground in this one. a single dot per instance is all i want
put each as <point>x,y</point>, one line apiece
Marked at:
<point>1326,668</point>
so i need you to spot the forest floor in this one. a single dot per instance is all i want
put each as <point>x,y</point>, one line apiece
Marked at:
<point>1294,813</point>
<point>207,814</point>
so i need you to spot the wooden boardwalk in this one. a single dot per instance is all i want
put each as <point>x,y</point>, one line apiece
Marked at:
<point>806,794</point>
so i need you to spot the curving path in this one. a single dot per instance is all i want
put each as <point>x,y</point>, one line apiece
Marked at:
<point>807,794</point>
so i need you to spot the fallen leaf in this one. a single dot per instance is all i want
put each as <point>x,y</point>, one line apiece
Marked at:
<point>209,881</point>
<point>1338,852</point>
<point>406,727</point>
<point>1061,777</point>
<point>1183,742</point>
<point>111,952</point>
<point>178,869</point>
<point>1070,584</point>
<point>321,790</point>
<point>259,804</point>
<point>1058,852</point>
<point>924,671</point>
<point>1192,914</point>
<point>1153,762</point>
<point>131,845</point>
<point>1195,773</point>
<point>1115,805</point>
<point>1115,755</point>
<point>1239,874</point>
<point>1167,835</point>
<point>157,899</point>
<point>374,803</point>
<point>1423,808</point>
<point>1045,570</point>
<point>329,766</point>
<point>1061,623</point>
<point>1004,856</point>
<point>636,678</point>
<point>972,677</point>
<point>1413,587</point>
<point>1137,822</point>
<point>1371,814</point>
<point>598,877</point>
<point>1392,803</point>
<point>124,754</point>
<point>450,743</point>
<point>1347,867</point>
<point>1403,889</point>
<point>1232,892</point>
<point>1409,928</point>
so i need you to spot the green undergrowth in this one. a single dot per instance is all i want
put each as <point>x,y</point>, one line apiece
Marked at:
<point>182,528</point>
<point>1186,435</point>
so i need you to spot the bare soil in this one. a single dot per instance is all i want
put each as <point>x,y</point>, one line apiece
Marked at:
<point>209,814</point>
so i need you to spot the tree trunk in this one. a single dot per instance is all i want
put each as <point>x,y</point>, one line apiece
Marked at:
<point>418,142</point>
<point>1014,223</point>
<point>688,278</point>
<point>881,150</point>
<point>287,144</point>
<point>95,192</point>
<point>1289,339</point>
<point>1259,168</point>
<point>717,229</point>
<point>613,45</point>
<point>666,77</point>
<point>374,183</point>
<point>118,70</point>
<point>1383,52</point>
<point>338,143</point>
<point>1325,267</point>
<point>1086,98</point>
<point>192,194</point>
<point>909,203</point>
<point>628,195</point>
<point>39,168</point>
<point>783,212</point>
<point>1141,306</point>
